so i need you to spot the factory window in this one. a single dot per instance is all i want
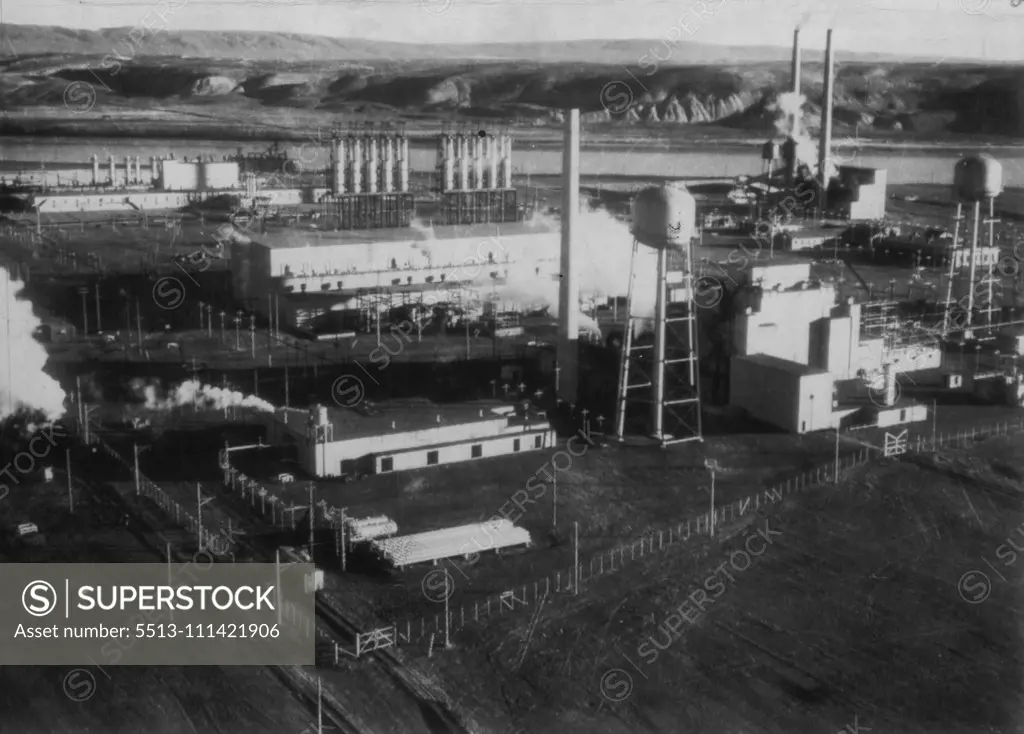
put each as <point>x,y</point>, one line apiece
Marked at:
<point>387,464</point>
<point>431,458</point>
<point>537,441</point>
<point>477,450</point>
<point>515,445</point>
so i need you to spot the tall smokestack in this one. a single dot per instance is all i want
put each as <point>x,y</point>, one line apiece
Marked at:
<point>796,61</point>
<point>825,140</point>
<point>569,291</point>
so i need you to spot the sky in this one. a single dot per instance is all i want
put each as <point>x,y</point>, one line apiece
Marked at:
<point>983,29</point>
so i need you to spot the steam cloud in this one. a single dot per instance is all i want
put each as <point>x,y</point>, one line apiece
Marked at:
<point>24,384</point>
<point>789,122</point>
<point>604,248</point>
<point>206,397</point>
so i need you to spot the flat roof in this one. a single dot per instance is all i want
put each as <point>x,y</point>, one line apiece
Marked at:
<point>293,238</point>
<point>784,365</point>
<point>409,415</point>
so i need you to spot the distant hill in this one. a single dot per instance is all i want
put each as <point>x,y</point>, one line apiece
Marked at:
<point>235,79</point>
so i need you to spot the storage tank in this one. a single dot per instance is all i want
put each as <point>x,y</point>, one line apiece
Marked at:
<point>977,177</point>
<point>770,151</point>
<point>664,216</point>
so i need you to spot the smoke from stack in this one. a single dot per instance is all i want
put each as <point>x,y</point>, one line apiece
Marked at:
<point>205,397</point>
<point>24,384</point>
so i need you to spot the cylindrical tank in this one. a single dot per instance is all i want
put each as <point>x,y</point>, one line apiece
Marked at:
<point>463,146</point>
<point>356,166</point>
<point>770,151</point>
<point>372,165</point>
<point>387,166</point>
<point>977,177</point>
<point>664,216</point>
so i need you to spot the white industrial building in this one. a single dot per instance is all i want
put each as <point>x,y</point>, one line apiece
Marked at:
<point>315,272</point>
<point>333,442</point>
<point>794,349</point>
<point>865,192</point>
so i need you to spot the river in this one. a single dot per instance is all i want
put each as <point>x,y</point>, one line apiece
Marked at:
<point>904,166</point>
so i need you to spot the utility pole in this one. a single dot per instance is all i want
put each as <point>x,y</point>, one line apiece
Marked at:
<point>277,585</point>
<point>343,548</point>
<point>71,496</point>
<point>837,456</point>
<point>319,707</point>
<point>712,524</point>
<point>447,616</point>
<point>935,411</point>
<point>84,292</point>
<point>554,501</point>
<point>224,384</point>
<point>135,453</point>
<point>286,404</point>
<point>99,326</point>
<point>312,523</point>
<point>576,558</point>
<point>138,323</point>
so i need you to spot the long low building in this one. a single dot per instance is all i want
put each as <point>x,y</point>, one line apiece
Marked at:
<point>334,442</point>
<point>464,540</point>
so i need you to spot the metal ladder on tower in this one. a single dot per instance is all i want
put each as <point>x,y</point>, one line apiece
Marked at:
<point>673,374</point>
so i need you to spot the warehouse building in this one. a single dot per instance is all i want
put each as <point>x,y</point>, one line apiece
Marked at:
<point>332,442</point>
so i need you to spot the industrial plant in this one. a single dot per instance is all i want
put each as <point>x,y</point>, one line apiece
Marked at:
<point>387,369</point>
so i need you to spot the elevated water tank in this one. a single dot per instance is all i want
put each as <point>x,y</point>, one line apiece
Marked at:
<point>770,151</point>
<point>977,177</point>
<point>664,216</point>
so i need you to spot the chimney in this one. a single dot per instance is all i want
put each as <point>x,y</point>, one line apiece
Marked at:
<point>796,61</point>
<point>569,291</point>
<point>825,139</point>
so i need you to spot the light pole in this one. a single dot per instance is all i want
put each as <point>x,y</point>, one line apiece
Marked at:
<point>222,315</point>
<point>209,320</point>
<point>201,309</point>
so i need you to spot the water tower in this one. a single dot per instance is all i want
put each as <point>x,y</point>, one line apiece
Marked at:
<point>976,178</point>
<point>667,370</point>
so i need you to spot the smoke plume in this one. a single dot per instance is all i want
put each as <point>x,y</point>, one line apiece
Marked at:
<point>604,247</point>
<point>205,397</point>
<point>24,384</point>
<point>789,122</point>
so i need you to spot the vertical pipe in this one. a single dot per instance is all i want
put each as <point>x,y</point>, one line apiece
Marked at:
<point>569,292</point>
<point>113,170</point>
<point>492,151</point>
<point>138,169</point>
<point>356,166</point>
<point>463,147</point>
<point>658,372</point>
<point>825,139</point>
<point>389,164</point>
<point>507,160</point>
<point>127,170</point>
<point>403,164</point>
<point>372,158</point>
<point>95,170</point>
<point>153,173</point>
<point>449,162</point>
